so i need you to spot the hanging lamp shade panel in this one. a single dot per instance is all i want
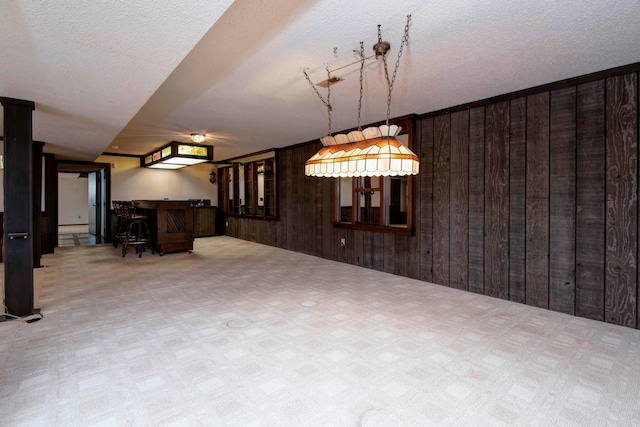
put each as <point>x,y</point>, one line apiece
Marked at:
<point>380,154</point>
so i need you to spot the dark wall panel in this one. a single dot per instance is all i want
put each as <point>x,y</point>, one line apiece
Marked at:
<point>389,249</point>
<point>517,199</point>
<point>286,196</point>
<point>476,199</point>
<point>622,200</point>
<point>441,201</point>
<point>328,230</point>
<point>424,201</point>
<point>308,216</point>
<point>590,188</point>
<point>459,196</point>
<point>367,243</point>
<point>378,251</point>
<point>562,201</point>
<point>297,202</point>
<point>358,252</point>
<point>496,184</point>
<point>318,205</point>
<point>412,255</point>
<point>399,256</point>
<point>537,228</point>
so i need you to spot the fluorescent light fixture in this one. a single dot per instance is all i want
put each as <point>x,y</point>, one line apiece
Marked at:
<point>165,166</point>
<point>177,155</point>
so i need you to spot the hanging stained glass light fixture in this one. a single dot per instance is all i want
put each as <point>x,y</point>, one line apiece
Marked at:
<point>374,151</point>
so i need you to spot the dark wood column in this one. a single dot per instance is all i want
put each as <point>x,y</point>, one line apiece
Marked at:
<point>49,221</point>
<point>18,206</point>
<point>37,203</point>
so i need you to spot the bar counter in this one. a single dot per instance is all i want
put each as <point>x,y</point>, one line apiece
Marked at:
<point>170,224</point>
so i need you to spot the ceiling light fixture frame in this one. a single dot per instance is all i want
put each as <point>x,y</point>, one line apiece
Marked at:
<point>177,155</point>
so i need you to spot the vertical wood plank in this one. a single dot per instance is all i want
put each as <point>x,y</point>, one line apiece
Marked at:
<point>280,198</point>
<point>399,256</point>
<point>412,255</point>
<point>299,202</point>
<point>476,199</point>
<point>622,200</point>
<point>537,264</point>
<point>517,199</point>
<point>287,195</point>
<point>389,252</point>
<point>378,251</point>
<point>251,229</point>
<point>562,200</point>
<point>261,232</point>
<point>367,256</point>
<point>328,185</point>
<point>350,248</point>
<point>296,203</point>
<point>318,211</point>
<point>233,227</point>
<point>335,232</point>
<point>412,243</point>
<point>270,233</point>
<point>308,218</point>
<point>590,212</point>
<point>496,220</point>
<point>426,199</point>
<point>358,252</point>
<point>441,194</point>
<point>459,201</point>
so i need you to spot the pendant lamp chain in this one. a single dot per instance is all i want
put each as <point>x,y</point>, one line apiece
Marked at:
<point>405,40</point>
<point>362,58</point>
<point>327,103</point>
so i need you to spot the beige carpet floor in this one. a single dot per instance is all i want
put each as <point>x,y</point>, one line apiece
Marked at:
<point>240,334</point>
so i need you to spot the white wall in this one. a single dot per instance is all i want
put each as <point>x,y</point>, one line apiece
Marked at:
<point>73,199</point>
<point>131,182</point>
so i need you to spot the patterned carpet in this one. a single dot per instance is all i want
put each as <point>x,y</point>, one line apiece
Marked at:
<point>240,334</point>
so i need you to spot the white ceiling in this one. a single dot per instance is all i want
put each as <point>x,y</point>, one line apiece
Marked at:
<point>130,76</point>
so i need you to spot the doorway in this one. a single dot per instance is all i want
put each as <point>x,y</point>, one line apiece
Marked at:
<point>93,220</point>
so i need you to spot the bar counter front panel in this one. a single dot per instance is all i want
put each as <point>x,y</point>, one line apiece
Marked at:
<point>170,224</point>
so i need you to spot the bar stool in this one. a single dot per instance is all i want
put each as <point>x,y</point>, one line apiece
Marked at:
<point>136,230</point>
<point>121,226</point>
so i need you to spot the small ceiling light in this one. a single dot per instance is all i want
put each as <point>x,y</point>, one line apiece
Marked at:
<point>374,151</point>
<point>198,138</point>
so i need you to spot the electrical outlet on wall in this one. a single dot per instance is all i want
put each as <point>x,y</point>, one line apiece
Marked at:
<point>343,242</point>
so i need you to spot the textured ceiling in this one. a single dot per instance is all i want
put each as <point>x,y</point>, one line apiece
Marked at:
<point>89,66</point>
<point>128,77</point>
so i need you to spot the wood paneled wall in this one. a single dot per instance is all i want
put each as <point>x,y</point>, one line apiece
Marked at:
<point>532,197</point>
